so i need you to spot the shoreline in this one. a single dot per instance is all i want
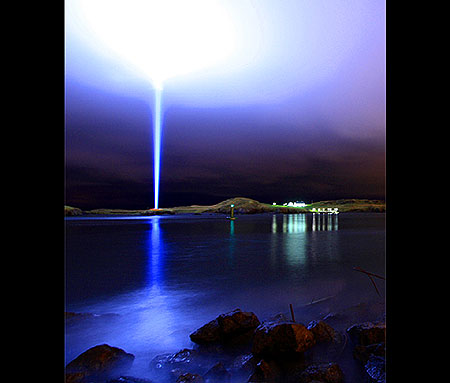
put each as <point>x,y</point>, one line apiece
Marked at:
<point>241,206</point>
<point>349,342</point>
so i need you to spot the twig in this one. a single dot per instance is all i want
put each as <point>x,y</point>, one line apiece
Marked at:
<point>370,277</point>
<point>318,300</point>
<point>374,285</point>
<point>366,272</point>
<point>292,312</point>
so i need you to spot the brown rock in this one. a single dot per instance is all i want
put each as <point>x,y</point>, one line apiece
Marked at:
<point>322,331</point>
<point>363,353</point>
<point>99,362</point>
<point>278,339</point>
<point>267,372</point>
<point>226,328</point>
<point>368,333</point>
<point>326,373</point>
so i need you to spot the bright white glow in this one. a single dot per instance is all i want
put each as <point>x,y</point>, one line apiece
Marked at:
<point>162,38</point>
<point>296,204</point>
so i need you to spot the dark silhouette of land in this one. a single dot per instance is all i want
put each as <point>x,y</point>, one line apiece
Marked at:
<point>242,205</point>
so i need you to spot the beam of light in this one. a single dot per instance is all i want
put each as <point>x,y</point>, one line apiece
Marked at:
<point>157,144</point>
<point>160,39</point>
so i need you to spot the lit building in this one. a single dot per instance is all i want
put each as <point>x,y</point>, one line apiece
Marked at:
<point>295,204</point>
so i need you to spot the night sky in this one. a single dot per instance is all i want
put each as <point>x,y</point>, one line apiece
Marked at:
<point>298,113</point>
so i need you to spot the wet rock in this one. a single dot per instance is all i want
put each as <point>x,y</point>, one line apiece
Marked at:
<point>190,378</point>
<point>278,339</point>
<point>75,377</point>
<point>209,333</point>
<point>217,373</point>
<point>234,327</point>
<point>279,318</point>
<point>363,353</point>
<point>129,379</point>
<point>185,360</point>
<point>368,333</point>
<point>322,331</point>
<point>101,362</point>
<point>266,371</point>
<point>326,373</point>
<point>243,366</point>
<point>375,368</point>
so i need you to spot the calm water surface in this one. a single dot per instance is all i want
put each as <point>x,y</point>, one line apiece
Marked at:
<point>167,276</point>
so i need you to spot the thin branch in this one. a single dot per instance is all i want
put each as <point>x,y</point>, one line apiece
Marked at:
<point>366,272</point>
<point>370,277</point>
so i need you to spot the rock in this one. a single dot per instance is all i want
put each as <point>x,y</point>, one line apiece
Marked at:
<point>185,360</point>
<point>278,339</point>
<point>245,362</point>
<point>322,331</point>
<point>75,377</point>
<point>279,318</point>
<point>129,379</point>
<point>368,333</point>
<point>326,373</point>
<point>375,368</point>
<point>190,378</point>
<point>363,353</point>
<point>217,373</point>
<point>97,363</point>
<point>209,333</point>
<point>267,372</point>
<point>243,366</point>
<point>233,327</point>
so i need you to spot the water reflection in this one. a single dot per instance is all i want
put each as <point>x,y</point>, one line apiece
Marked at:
<point>298,223</point>
<point>155,250</point>
<point>321,222</point>
<point>155,315</point>
<point>295,241</point>
<point>298,238</point>
<point>232,244</point>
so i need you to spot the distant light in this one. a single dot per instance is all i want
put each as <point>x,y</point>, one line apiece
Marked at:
<point>296,204</point>
<point>162,38</point>
<point>232,205</point>
<point>274,203</point>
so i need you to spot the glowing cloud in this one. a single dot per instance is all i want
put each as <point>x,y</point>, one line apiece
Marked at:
<point>161,38</point>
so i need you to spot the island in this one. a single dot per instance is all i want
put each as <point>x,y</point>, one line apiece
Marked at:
<point>242,205</point>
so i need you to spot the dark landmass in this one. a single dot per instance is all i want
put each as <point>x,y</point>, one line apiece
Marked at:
<point>242,205</point>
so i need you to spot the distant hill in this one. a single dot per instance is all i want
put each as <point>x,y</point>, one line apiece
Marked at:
<point>243,205</point>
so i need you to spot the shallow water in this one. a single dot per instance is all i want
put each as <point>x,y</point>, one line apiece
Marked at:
<point>167,276</point>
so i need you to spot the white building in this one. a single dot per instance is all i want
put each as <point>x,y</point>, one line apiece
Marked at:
<point>295,204</point>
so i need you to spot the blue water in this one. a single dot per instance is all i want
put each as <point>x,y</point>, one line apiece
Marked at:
<point>167,276</point>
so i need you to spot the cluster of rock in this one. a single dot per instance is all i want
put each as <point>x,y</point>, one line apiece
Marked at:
<point>237,347</point>
<point>370,349</point>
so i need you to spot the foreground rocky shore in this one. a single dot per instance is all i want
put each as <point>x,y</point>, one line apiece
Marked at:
<point>238,347</point>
